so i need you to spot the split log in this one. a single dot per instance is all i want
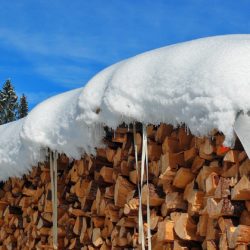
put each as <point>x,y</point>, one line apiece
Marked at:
<point>170,145</point>
<point>245,218</point>
<point>122,187</point>
<point>238,235</point>
<point>173,201</point>
<point>244,168</point>
<point>185,227</point>
<point>241,190</point>
<point>183,177</point>
<point>231,156</point>
<point>162,132</point>
<point>202,225</point>
<point>211,183</point>
<point>154,151</point>
<point>150,192</point>
<point>96,237</point>
<point>106,173</point>
<point>206,148</point>
<point>197,164</point>
<point>216,209</point>
<point>190,154</point>
<point>171,160</point>
<point>165,231</point>
<point>196,197</point>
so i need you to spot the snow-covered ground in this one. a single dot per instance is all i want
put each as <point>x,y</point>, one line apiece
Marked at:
<point>203,83</point>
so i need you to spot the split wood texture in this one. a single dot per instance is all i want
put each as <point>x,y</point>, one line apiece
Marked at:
<point>199,196</point>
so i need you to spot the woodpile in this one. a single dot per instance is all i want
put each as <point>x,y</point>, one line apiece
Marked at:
<point>199,196</point>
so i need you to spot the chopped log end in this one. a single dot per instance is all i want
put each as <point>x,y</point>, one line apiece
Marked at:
<point>198,194</point>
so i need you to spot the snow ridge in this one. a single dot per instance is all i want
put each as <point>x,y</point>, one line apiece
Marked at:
<point>203,83</point>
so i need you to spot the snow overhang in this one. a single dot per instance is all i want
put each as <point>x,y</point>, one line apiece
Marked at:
<point>242,130</point>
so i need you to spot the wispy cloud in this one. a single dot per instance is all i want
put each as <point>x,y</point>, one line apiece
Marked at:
<point>57,59</point>
<point>65,75</point>
<point>41,44</point>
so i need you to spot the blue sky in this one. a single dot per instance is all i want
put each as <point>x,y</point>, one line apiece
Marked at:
<point>51,46</point>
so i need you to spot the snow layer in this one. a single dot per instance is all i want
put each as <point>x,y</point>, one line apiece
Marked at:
<point>12,151</point>
<point>202,83</point>
<point>52,124</point>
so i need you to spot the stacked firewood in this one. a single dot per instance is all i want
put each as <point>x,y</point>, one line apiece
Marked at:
<point>199,195</point>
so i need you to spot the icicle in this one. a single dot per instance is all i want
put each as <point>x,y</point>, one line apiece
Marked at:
<point>46,153</point>
<point>142,175</point>
<point>53,175</point>
<point>100,130</point>
<point>144,163</point>
<point>141,239</point>
<point>147,176</point>
<point>55,201</point>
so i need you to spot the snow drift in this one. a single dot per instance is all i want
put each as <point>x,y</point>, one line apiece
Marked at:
<point>203,83</point>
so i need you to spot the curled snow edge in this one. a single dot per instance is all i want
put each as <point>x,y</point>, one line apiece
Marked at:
<point>203,83</point>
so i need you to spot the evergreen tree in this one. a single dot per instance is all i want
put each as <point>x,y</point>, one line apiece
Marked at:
<point>23,107</point>
<point>8,103</point>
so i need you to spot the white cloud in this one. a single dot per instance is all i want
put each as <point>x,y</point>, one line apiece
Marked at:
<point>60,45</point>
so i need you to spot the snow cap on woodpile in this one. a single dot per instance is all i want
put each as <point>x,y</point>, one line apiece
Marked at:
<point>203,83</point>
